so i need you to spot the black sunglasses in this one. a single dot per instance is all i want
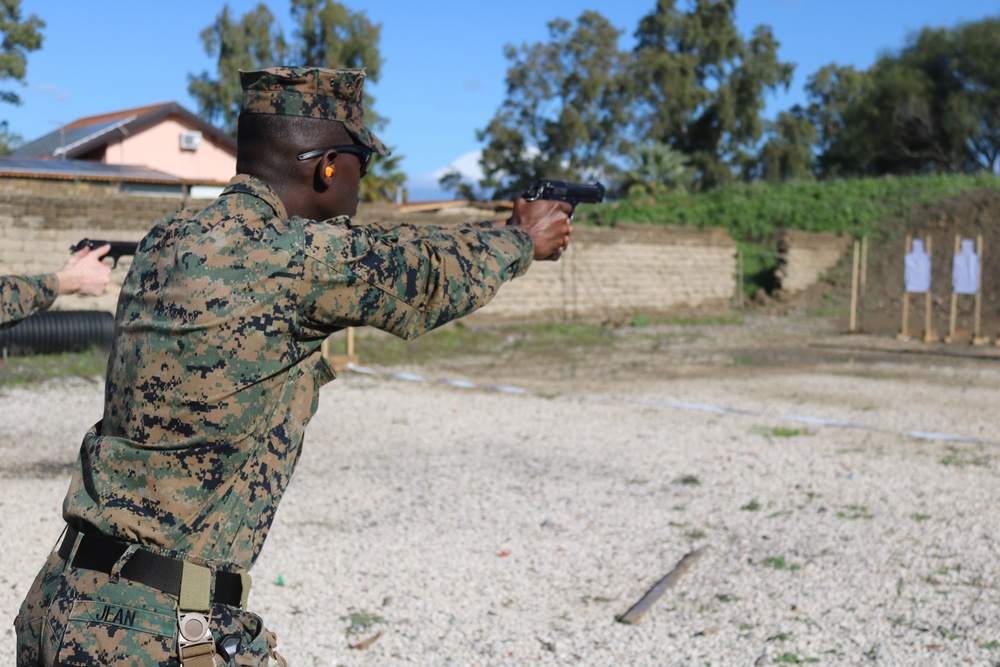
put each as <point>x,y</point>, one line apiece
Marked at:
<point>363,153</point>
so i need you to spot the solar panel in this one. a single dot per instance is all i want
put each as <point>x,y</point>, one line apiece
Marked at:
<point>11,166</point>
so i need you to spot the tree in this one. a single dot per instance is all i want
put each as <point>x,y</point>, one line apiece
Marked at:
<point>934,106</point>
<point>456,183</point>
<point>565,110</point>
<point>977,52</point>
<point>787,154</point>
<point>254,41</point>
<point>833,91</point>
<point>384,181</point>
<point>8,140</point>
<point>654,169</point>
<point>701,86</point>
<point>20,36</point>
<point>330,35</point>
<point>326,34</point>
<point>902,132</point>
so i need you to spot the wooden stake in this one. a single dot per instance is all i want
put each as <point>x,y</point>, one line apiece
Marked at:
<point>929,335</point>
<point>855,278</point>
<point>977,337</point>
<point>864,264</point>
<point>952,321</point>
<point>904,327</point>
<point>365,643</point>
<point>739,279</point>
<point>640,607</point>
<point>340,361</point>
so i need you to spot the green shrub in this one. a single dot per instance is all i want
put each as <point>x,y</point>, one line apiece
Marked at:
<point>753,213</point>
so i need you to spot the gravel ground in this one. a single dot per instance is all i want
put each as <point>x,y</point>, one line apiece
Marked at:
<point>846,508</point>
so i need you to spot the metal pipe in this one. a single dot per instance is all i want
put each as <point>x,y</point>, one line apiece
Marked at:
<point>56,331</point>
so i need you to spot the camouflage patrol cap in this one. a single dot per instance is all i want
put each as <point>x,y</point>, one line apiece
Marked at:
<point>313,92</point>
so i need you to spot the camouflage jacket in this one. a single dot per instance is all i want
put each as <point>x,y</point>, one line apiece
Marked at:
<point>21,296</point>
<point>216,365</point>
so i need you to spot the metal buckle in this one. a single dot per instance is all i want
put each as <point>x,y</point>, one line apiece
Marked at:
<point>193,629</point>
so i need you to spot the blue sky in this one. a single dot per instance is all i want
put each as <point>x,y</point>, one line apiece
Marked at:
<point>443,65</point>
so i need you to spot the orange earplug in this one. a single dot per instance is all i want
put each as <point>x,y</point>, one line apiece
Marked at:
<point>329,172</point>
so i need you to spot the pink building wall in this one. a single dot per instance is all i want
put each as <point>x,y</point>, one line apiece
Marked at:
<point>159,147</point>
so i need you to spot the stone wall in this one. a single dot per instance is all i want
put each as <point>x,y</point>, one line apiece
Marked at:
<point>37,231</point>
<point>612,274</point>
<point>58,187</point>
<point>807,256</point>
<point>608,274</point>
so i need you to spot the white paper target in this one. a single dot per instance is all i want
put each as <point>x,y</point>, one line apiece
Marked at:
<point>917,269</point>
<point>965,269</point>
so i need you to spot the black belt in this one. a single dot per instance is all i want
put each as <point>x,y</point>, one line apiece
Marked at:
<point>163,573</point>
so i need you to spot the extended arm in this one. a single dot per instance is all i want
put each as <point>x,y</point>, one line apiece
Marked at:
<point>84,272</point>
<point>21,296</point>
<point>407,285</point>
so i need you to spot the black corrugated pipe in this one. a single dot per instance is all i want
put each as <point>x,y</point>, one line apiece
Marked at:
<point>54,331</point>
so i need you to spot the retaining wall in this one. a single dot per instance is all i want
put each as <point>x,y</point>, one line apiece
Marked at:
<point>806,256</point>
<point>37,231</point>
<point>608,274</point>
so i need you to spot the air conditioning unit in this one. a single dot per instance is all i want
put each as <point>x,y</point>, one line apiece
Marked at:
<point>190,140</point>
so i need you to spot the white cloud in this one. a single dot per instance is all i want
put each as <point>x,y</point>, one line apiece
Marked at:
<point>49,90</point>
<point>422,181</point>
<point>426,186</point>
<point>467,165</point>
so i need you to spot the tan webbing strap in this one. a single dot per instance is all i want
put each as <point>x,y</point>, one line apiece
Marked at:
<point>195,645</point>
<point>198,655</point>
<point>245,581</point>
<point>196,588</point>
<point>272,647</point>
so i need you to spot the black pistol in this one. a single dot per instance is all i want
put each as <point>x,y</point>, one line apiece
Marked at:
<point>574,193</point>
<point>118,248</point>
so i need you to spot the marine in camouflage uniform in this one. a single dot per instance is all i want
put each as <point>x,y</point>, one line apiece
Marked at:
<point>215,372</point>
<point>21,296</point>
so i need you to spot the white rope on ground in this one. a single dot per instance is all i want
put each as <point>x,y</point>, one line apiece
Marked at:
<point>923,435</point>
<point>680,405</point>
<point>819,421</point>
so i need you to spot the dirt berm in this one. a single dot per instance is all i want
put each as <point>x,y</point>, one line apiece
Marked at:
<point>967,215</point>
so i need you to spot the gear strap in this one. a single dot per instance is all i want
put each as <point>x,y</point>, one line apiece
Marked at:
<point>195,645</point>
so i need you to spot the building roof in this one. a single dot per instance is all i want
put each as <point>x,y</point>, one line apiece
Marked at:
<point>444,205</point>
<point>85,134</point>
<point>113,116</point>
<point>87,170</point>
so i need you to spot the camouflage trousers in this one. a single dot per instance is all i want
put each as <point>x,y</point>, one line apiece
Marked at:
<point>79,617</point>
